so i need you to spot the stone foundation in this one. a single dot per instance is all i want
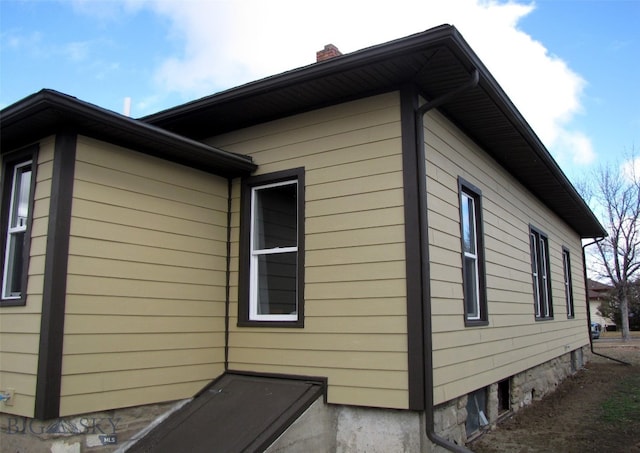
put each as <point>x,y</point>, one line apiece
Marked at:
<point>524,388</point>
<point>108,431</point>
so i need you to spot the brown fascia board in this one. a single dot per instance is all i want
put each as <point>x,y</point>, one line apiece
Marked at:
<point>504,103</point>
<point>416,42</point>
<point>49,111</point>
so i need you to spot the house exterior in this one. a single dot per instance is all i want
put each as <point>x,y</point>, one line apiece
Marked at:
<point>385,222</point>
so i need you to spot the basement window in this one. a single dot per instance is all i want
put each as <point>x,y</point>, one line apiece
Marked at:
<point>476,412</point>
<point>504,397</point>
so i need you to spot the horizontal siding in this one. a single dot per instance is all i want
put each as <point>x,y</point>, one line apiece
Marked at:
<point>118,380</point>
<point>146,280</point>
<point>467,358</point>
<point>355,290</point>
<point>130,396</point>
<point>20,326</point>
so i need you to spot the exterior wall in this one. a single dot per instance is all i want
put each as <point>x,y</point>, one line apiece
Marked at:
<point>355,293</point>
<point>20,326</point>
<point>468,358</point>
<point>145,307</point>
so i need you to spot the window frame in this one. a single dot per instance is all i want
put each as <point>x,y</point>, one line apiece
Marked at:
<point>247,296</point>
<point>473,193</point>
<point>541,274</point>
<point>11,162</point>
<point>568,282</point>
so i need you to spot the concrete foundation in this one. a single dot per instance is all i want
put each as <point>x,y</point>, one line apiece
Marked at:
<point>346,429</point>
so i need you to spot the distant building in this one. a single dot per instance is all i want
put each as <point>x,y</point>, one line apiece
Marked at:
<point>598,293</point>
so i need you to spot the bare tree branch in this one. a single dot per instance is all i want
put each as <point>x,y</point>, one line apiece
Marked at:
<point>614,193</point>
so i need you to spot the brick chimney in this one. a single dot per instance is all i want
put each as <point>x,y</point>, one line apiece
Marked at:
<point>329,51</point>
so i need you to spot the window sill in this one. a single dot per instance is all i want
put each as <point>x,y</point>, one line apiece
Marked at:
<point>475,323</point>
<point>13,302</point>
<point>548,318</point>
<point>288,324</point>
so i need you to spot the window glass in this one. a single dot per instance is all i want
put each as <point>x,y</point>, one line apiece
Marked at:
<point>468,224</point>
<point>20,202</point>
<point>275,219</point>
<point>14,262</point>
<point>277,284</point>
<point>273,292</point>
<point>540,274</point>
<point>473,278</point>
<point>568,288</point>
<point>471,288</point>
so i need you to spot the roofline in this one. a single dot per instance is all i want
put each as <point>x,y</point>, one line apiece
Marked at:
<point>188,149</point>
<point>446,36</point>
<point>521,124</point>
<point>312,71</point>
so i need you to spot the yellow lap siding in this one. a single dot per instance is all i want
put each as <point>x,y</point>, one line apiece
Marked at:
<point>120,234</point>
<point>100,286</point>
<point>115,342</point>
<point>359,395</point>
<point>355,306</point>
<point>129,252</point>
<point>18,362</point>
<point>320,341</point>
<point>20,326</point>
<point>109,381</point>
<point>468,358</point>
<point>137,396</point>
<point>382,235</point>
<point>146,280</point>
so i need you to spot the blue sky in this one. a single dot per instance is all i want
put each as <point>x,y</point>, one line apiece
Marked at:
<point>572,67</point>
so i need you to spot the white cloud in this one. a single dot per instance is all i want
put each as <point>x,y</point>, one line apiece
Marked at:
<point>77,51</point>
<point>226,43</point>
<point>573,146</point>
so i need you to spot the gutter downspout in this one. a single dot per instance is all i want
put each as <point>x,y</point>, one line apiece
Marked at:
<point>586,287</point>
<point>424,252</point>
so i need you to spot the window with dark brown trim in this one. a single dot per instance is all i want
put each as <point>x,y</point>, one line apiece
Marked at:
<point>568,286</point>
<point>18,183</point>
<point>473,265</point>
<point>540,273</point>
<point>272,250</point>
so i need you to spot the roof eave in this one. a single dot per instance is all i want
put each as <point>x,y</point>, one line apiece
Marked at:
<point>527,132</point>
<point>86,118</point>
<point>445,36</point>
<point>300,75</point>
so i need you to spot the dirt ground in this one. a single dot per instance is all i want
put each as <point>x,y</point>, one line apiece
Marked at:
<point>596,410</point>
